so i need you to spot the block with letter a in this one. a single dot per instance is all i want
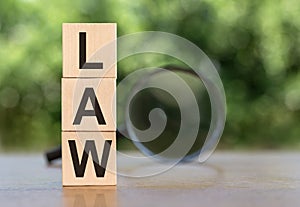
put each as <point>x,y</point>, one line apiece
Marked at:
<point>89,104</point>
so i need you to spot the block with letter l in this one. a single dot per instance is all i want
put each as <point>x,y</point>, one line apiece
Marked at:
<point>89,50</point>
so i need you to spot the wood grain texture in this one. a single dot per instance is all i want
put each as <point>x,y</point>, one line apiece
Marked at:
<point>100,47</point>
<point>72,95</point>
<point>265,178</point>
<point>69,177</point>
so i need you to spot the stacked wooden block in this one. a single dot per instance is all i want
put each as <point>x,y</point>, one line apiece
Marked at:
<point>89,104</point>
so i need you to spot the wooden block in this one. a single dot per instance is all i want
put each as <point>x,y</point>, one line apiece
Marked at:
<point>90,196</point>
<point>89,50</point>
<point>78,112</point>
<point>88,158</point>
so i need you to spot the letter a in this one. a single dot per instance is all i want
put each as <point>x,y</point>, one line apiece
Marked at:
<point>89,94</point>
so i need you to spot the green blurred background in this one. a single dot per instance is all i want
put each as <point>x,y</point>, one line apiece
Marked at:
<point>254,44</point>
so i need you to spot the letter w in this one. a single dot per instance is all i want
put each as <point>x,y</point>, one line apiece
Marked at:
<point>89,147</point>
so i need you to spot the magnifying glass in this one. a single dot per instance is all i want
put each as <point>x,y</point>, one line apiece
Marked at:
<point>150,98</point>
<point>162,106</point>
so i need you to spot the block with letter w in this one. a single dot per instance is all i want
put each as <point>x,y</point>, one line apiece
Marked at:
<point>89,158</point>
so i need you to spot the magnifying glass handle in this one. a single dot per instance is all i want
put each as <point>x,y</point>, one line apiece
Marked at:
<point>53,154</point>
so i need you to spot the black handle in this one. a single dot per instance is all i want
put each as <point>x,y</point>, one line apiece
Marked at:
<point>53,154</point>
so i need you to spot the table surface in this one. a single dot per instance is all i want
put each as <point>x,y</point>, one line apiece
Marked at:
<point>226,179</point>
